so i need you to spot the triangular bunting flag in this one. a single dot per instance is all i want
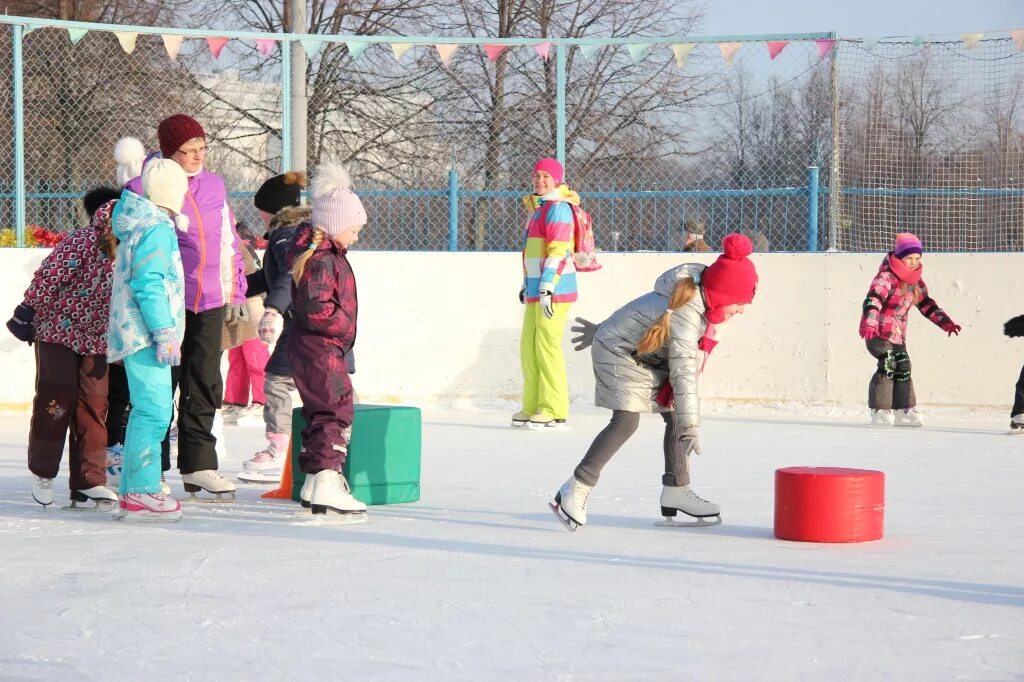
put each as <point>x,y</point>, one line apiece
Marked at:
<point>682,51</point>
<point>918,41</point>
<point>76,34</point>
<point>825,46</point>
<point>127,41</point>
<point>445,52</point>
<point>1018,38</point>
<point>588,51</point>
<point>266,46</point>
<point>638,51</point>
<point>494,51</point>
<point>869,43</point>
<point>971,40</point>
<point>356,50</point>
<point>312,46</point>
<point>543,50</point>
<point>775,48</point>
<point>729,51</point>
<point>400,49</point>
<point>216,46</point>
<point>173,45</point>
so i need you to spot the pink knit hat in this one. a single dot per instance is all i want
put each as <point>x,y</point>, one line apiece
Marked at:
<point>552,167</point>
<point>906,244</point>
<point>336,208</point>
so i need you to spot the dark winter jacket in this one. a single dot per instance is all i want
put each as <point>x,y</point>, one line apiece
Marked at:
<point>324,307</point>
<point>277,281</point>
<point>70,290</point>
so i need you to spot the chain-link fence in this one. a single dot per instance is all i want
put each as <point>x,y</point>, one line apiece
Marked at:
<point>826,144</point>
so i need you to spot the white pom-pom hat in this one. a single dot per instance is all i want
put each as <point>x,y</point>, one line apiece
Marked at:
<point>165,184</point>
<point>129,153</point>
<point>336,208</point>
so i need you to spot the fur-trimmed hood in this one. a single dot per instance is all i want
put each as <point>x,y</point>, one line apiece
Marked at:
<point>292,216</point>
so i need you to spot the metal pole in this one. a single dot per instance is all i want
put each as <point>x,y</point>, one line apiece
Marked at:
<point>286,107</point>
<point>297,23</point>
<point>835,176</point>
<point>560,60</point>
<point>812,208</point>
<point>19,136</point>
<point>453,210</point>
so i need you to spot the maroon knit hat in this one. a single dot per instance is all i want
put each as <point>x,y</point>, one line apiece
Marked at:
<point>732,278</point>
<point>175,131</point>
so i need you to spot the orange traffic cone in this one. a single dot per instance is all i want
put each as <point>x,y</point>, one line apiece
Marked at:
<point>284,491</point>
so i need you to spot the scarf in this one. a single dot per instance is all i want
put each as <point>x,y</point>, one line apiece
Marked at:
<point>905,274</point>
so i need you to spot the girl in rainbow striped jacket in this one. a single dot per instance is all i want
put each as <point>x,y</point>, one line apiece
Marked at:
<point>548,291</point>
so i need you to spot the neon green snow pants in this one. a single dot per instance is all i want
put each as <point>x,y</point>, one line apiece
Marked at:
<point>545,387</point>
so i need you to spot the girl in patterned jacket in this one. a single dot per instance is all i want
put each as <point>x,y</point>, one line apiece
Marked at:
<point>896,288</point>
<point>324,309</point>
<point>65,313</point>
<point>548,291</point>
<point>647,358</point>
<point>147,325</point>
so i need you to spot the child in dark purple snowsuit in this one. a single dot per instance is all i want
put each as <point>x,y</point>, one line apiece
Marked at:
<point>325,305</point>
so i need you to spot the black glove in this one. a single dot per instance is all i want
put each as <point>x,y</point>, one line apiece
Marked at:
<point>1012,328</point>
<point>522,293</point>
<point>586,330</point>
<point>20,323</point>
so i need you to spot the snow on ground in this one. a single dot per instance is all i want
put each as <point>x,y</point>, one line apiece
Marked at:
<point>479,581</point>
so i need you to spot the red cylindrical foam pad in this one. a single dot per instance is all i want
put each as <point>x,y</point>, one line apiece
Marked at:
<point>829,504</point>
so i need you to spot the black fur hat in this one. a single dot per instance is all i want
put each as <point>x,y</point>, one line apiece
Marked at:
<point>98,196</point>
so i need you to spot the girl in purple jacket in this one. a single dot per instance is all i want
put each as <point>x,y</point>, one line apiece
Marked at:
<point>897,288</point>
<point>325,307</point>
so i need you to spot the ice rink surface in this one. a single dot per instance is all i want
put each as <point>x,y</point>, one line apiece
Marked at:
<point>478,581</point>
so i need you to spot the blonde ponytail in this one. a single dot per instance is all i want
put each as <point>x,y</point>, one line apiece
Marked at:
<point>299,266</point>
<point>656,334</point>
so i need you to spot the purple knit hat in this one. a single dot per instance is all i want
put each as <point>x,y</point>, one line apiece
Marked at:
<point>906,244</point>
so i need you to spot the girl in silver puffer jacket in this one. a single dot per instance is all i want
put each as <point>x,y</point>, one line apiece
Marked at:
<point>647,358</point>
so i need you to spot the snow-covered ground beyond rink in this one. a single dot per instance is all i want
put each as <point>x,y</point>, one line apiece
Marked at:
<point>479,581</point>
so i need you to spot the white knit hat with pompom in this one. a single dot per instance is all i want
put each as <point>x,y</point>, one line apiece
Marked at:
<point>129,154</point>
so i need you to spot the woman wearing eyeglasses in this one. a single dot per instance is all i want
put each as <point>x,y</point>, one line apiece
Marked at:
<point>214,293</point>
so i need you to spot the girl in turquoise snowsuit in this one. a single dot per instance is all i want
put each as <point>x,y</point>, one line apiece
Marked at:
<point>147,325</point>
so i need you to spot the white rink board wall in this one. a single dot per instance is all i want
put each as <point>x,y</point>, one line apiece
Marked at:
<point>445,326</point>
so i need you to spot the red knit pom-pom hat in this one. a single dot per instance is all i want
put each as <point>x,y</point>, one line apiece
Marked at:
<point>175,131</point>
<point>732,278</point>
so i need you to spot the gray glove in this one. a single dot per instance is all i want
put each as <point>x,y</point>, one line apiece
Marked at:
<point>586,330</point>
<point>237,313</point>
<point>690,441</point>
<point>545,300</point>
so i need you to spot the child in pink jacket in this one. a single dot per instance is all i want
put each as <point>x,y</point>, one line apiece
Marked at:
<point>896,288</point>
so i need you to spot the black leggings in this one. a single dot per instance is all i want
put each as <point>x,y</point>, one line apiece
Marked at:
<point>623,425</point>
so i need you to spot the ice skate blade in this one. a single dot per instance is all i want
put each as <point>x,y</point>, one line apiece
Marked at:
<point>520,425</point>
<point>219,499</point>
<point>258,477</point>
<point>570,525</point>
<point>148,517</point>
<point>331,516</point>
<point>698,522</point>
<point>98,506</point>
